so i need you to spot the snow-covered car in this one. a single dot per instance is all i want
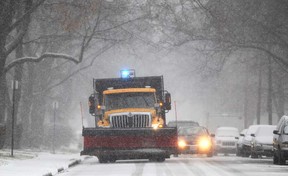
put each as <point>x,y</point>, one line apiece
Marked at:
<point>247,140</point>
<point>262,141</point>
<point>280,141</point>
<point>239,147</point>
<point>226,140</point>
<point>195,140</point>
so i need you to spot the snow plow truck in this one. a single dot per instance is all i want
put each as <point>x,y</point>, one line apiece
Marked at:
<point>130,120</point>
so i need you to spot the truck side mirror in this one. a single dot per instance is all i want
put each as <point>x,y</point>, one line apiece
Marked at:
<point>92,104</point>
<point>167,101</point>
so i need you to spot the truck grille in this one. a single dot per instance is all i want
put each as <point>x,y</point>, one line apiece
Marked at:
<point>130,121</point>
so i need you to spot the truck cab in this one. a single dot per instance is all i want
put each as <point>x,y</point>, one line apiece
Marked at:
<point>131,107</point>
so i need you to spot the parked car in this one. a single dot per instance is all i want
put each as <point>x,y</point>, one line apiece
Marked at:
<point>262,141</point>
<point>195,140</point>
<point>280,141</point>
<point>239,145</point>
<point>226,140</point>
<point>247,140</point>
<point>182,123</point>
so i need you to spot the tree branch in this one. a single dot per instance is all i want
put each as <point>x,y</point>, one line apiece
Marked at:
<point>38,59</point>
<point>104,49</point>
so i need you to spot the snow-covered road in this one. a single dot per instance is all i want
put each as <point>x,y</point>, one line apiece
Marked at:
<point>183,165</point>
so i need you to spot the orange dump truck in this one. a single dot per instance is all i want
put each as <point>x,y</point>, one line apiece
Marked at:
<point>129,120</point>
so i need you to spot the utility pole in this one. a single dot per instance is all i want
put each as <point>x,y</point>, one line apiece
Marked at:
<point>55,106</point>
<point>14,88</point>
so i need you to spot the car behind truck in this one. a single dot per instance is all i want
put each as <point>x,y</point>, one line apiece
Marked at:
<point>130,120</point>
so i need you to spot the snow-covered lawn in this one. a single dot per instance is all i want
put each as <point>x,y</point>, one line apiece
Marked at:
<point>38,163</point>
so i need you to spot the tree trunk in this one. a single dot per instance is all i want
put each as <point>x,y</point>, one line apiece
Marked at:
<point>279,99</point>
<point>269,97</point>
<point>259,93</point>
<point>2,79</point>
<point>246,97</point>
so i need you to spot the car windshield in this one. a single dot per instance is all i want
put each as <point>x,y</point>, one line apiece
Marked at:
<point>130,100</point>
<point>190,131</point>
<point>182,123</point>
<point>252,130</point>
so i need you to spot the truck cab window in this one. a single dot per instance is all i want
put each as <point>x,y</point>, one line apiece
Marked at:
<point>130,100</point>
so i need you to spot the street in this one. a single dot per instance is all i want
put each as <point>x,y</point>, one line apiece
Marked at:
<point>183,165</point>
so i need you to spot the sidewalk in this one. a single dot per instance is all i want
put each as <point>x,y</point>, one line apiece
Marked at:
<point>36,163</point>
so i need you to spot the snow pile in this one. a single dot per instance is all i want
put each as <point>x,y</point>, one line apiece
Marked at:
<point>30,163</point>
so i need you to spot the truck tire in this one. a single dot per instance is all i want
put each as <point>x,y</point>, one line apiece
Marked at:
<point>161,159</point>
<point>102,159</point>
<point>157,159</point>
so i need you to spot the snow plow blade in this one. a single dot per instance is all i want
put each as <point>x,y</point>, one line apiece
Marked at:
<point>132,143</point>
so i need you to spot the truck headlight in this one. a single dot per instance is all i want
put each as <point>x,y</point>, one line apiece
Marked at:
<point>155,126</point>
<point>103,123</point>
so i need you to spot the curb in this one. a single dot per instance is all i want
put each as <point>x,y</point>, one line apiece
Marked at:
<point>61,169</point>
<point>74,163</point>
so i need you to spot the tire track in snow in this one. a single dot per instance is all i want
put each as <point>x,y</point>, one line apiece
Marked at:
<point>160,167</point>
<point>138,169</point>
<point>226,168</point>
<point>208,166</point>
<point>194,168</point>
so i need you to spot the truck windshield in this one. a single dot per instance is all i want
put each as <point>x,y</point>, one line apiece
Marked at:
<point>129,100</point>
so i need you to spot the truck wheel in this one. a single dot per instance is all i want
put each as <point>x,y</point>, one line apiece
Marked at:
<point>102,159</point>
<point>112,159</point>
<point>160,159</point>
<point>157,159</point>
